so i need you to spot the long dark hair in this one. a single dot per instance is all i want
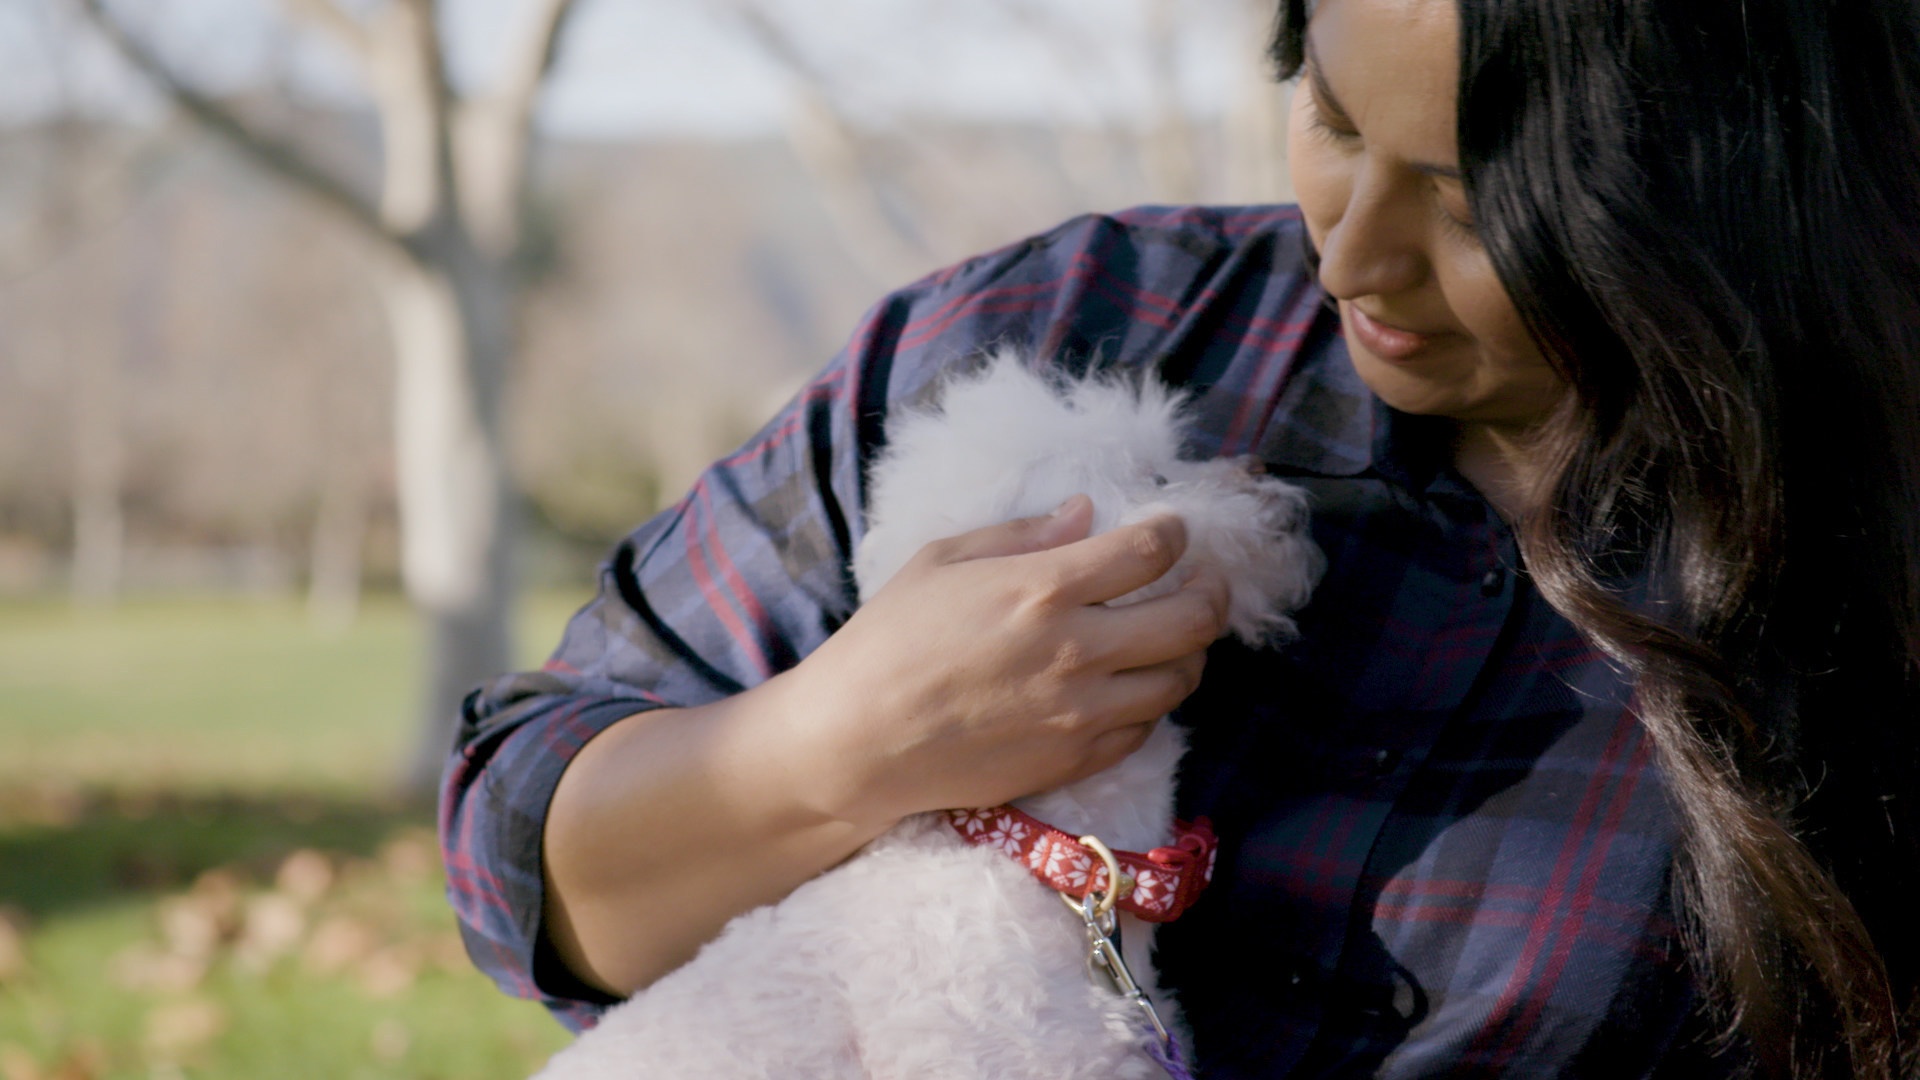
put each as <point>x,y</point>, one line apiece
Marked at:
<point>1709,216</point>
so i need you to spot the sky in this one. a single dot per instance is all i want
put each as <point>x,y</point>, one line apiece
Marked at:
<point>638,67</point>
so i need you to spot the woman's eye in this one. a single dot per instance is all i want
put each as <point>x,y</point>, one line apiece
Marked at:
<point>1462,228</point>
<point>1317,123</point>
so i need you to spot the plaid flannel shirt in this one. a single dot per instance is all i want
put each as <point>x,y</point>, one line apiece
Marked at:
<point>1446,849</point>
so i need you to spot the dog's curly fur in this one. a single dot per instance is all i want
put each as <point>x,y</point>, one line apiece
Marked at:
<point>923,957</point>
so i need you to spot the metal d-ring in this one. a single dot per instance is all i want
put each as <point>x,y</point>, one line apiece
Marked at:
<point>1104,958</point>
<point>1102,908</point>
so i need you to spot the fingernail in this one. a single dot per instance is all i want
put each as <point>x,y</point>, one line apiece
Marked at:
<point>1060,511</point>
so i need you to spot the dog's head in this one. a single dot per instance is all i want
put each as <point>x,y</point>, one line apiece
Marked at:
<point>1004,442</point>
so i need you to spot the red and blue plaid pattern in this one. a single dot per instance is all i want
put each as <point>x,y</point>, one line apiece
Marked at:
<point>1445,846</point>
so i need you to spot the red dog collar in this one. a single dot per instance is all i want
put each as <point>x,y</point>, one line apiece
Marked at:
<point>1158,886</point>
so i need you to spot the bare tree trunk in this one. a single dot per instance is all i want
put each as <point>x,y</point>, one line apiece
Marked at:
<point>1257,117</point>
<point>448,218</point>
<point>99,527</point>
<point>829,150</point>
<point>452,334</point>
<point>1169,150</point>
<point>336,545</point>
<point>339,539</point>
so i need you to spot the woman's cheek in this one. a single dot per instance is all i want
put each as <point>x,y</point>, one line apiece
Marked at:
<point>1485,310</point>
<point>1319,173</point>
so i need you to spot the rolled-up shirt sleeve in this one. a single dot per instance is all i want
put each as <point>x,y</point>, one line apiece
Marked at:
<point>748,572</point>
<point>736,582</point>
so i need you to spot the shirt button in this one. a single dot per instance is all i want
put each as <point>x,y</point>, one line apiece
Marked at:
<point>1495,581</point>
<point>1382,763</point>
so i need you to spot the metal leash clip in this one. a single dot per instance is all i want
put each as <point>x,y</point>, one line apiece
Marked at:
<point>1096,910</point>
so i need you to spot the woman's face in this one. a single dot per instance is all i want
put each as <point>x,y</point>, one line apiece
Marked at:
<point>1372,148</point>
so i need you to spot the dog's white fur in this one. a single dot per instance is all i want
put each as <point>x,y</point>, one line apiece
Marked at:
<point>923,957</point>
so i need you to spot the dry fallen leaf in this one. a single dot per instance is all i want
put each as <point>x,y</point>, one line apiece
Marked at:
<point>390,1041</point>
<point>273,921</point>
<point>389,972</point>
<point>86,1059</point>
<point>305,875</point>
<point>13,944</point>
<point>177,1028</point>
<point>188,927</point>
<point>217,892</point>
<point>273,928</point>
<point>198,921</point>
<point>18,1063</point>
<point>338,943</point>
<point>411,858</point>
<point>145,968</point>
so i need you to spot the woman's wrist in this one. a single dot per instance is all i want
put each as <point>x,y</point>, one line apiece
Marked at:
<point>777,757</point>
<point>703,812</point>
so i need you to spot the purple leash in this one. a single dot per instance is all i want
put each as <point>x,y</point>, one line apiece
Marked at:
<point>1167,1056</point>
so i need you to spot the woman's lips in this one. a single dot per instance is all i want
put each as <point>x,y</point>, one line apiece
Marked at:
<point>1386,342</point>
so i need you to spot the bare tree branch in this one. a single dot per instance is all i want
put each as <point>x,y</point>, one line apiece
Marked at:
<point>275,155</point>
<point>529,69</point>
<point>831,152</point>
<point>347,30</point>
<point>1088,158</point>
<point>431,55</point>
<point>1170,151</point>
<point>1256,119</point>
<point>779,46</point>
<point>493,131</point>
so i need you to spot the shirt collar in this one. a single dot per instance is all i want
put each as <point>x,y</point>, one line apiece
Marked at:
<point>1338,428</point>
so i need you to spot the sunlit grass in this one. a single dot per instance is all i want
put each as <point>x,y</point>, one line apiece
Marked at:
<point>201,874</point>
<point>216,694</point>
<point>234,974</point>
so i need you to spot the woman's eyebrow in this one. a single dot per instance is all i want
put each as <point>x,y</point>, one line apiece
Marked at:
<point>1322,92</point>
<point>1330,105</point>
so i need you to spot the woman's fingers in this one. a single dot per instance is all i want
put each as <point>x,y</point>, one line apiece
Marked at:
<point>1131,702</point>
<point>1067,523</point>
<point>1140,635</point>
<point>1148,693</point>
<point>1112,746</point>
<point>1116,562</point>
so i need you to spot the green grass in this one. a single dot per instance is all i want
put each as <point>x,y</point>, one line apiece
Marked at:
<point>171,764</point>
<point>215,694</point>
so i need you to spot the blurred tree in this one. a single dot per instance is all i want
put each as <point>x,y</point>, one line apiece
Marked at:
<point>896,221</point>
<point>880,238</point>
<point>99,451</point>
<point>1257,115</point>
<point>1171,148</point>
<point>451,222</point>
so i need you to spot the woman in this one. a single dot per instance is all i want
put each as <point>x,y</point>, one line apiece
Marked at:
<point>1598,750</point>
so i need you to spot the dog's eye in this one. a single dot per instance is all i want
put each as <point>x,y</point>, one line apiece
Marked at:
<point>1159,481</point>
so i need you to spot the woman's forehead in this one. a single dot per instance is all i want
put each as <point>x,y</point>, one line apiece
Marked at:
<point>1392,67</point>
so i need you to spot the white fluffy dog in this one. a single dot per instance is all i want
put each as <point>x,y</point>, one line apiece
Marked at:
<point>925,956</point>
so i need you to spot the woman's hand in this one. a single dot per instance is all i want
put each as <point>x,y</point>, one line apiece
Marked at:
<point>987,669</point>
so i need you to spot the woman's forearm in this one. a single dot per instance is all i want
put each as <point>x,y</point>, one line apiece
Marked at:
<point>672,822</point>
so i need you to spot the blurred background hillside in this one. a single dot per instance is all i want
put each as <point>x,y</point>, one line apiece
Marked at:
<point>297,312</point>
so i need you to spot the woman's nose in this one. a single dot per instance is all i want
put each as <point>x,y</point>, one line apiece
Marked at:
<point>1375,249</point>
